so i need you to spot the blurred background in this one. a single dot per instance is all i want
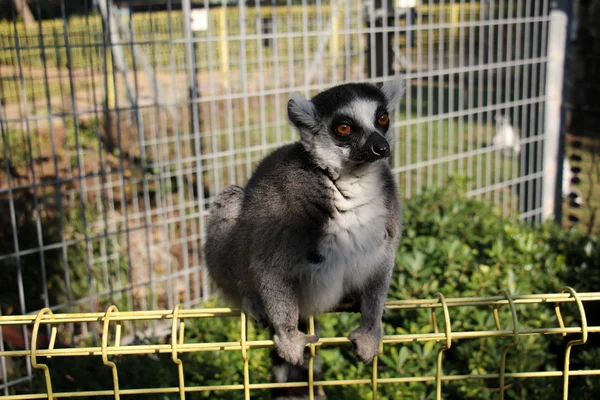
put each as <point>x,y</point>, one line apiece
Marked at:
<point>120,120</point>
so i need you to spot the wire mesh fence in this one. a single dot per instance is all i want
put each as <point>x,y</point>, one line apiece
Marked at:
<point>506,332</point>
<point>120,123</point>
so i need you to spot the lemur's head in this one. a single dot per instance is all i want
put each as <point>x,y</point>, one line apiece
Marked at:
<point>348,125</point>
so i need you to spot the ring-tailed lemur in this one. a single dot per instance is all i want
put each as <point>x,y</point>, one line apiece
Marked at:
<point>318,222</point>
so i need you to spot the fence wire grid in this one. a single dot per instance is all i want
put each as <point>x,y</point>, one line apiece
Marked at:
<point>119,123</point>
<point>442,336</point>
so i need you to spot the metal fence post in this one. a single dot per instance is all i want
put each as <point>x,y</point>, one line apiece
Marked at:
<point>554,124</point>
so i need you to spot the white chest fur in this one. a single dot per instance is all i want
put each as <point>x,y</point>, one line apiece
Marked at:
<point>354,243</point>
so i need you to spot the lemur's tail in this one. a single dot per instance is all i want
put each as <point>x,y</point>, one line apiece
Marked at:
<point>221,238</point>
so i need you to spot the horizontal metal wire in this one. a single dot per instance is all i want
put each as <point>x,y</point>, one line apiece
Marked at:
<point>178,345</point>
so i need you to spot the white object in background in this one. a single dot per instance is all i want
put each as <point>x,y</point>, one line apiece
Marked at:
<point>576,201</point>
<point>566,179</point>
<point>506,138</point>
<point>199,19</point>
<point>406,3</point>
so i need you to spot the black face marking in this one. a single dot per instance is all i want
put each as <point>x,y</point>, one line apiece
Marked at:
<point>333,99</point>
<point>315,258</point>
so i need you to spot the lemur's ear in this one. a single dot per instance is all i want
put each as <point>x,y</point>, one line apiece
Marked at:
<point>393,90</point>
<point>301,112</point>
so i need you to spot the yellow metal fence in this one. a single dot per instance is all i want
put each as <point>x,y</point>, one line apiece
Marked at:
<point>441,334</point>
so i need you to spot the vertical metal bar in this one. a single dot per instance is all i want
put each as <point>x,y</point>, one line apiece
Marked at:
<point>244,84</point>
<point>385,46</point>
<point>58,186</point>
<point>261,81</point>
<point>111,144</point>
<point>441,81</point>
<point>171,300</point>
<point>213,116</point>
<point>100,171</point>
<point>361,45</point>
<point>506,160</point>
<point>334,47</point>
<point>290,47</point>
<point>31,164</point>
<point>276,72</point>
<point>535,123</point>
<point>155,125</point>
<point>231,143</point>
<point>498,94</point>
<point>471,92</point>
<point>461,87</point>
<point>430,83</point>
<point>305,48</point>
<point>515,167</point>
<point>490,90</point>
<point>117,57</point>
<point>454,138</point>
<point>532,151</point>
<point>347,42</point>
<point>484,28</point>
<point>142,161</point>
<point>372,41</point>
<point>190,47</point>
<point>542,90</point>
<point>394,46</point>
<point>192,80</point>
<point>408,142</point>
<point>317,23</point>
<point>419,180</point>
<point>524,185</point>
<point>567,8</point>
<point>5,384</point>
<point>14,230</point>
<point>557,41</point>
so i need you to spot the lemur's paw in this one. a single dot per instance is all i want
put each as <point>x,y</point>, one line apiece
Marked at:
<point>291,347</point>
<point>365,344</point>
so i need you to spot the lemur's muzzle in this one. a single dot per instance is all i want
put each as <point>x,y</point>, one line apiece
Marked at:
<point>376,147</point>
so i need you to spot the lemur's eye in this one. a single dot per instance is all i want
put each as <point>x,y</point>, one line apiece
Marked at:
<point>343,129</point>
<point>383,119</point>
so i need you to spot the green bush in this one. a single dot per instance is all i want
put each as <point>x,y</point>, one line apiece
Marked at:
<point>461,247</point>
<point>453,245</point>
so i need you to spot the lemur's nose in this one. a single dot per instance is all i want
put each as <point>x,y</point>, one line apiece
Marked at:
<point>381,148</point>
<point>376,147</point>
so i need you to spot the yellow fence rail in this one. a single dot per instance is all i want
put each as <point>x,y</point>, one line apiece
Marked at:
<point>445,336</point>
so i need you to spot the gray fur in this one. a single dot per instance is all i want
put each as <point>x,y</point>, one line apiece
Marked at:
<point>393,90</point>
<point>318,222</point>
<point>302,112</point>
